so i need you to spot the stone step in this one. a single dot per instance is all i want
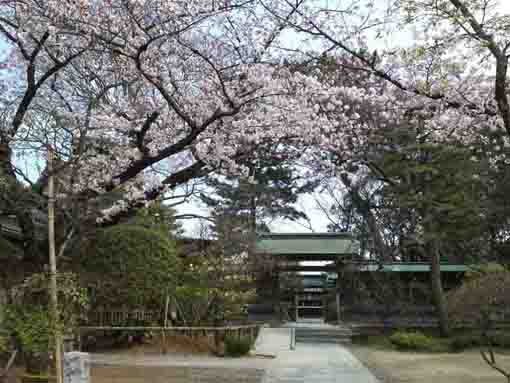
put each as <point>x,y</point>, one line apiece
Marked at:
<point>325,332</point>
<point>300,337</point>
<point>323,335</point>
<point>323,340</point>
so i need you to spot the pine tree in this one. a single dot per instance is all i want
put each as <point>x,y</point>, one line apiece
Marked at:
<point>270,191</point>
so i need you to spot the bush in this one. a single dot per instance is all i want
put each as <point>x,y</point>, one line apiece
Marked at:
<point>32,328</point>
<point>501,339</point>
<point>3,344</point>
<point>413,340</point>
<point>31,378</point>
<point>236,347</point>
<point>463,342</point>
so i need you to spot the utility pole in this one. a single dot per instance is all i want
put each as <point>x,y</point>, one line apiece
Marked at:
<point>53,267</point>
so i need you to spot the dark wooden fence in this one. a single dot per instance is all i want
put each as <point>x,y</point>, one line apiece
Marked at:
<point>121,317</point>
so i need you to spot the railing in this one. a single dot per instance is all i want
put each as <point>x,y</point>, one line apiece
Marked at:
<point>293,338</point>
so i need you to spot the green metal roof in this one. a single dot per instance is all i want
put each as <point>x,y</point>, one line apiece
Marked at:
<point>313,280</point>
<point>413,268</point>
<point>311,245</point>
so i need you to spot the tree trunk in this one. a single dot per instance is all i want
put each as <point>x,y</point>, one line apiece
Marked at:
<point>253,215</point>
<point>5,160</point>
<point>431,238</point>
<point>438,296</point>
<point>53,269</point>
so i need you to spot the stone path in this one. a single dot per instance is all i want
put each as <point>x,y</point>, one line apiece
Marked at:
<point>312,363</point>
<point>307,363</point>
<point>272,341</point>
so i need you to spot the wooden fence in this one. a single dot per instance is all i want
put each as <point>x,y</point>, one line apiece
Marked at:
<point>122,317</point>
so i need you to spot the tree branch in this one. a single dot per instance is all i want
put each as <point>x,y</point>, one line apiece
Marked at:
<point>500,84</point>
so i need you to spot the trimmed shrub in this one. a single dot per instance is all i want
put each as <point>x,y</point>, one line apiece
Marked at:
<point>501,339</point>
<point>29,378</point>
<point>236,347</point>
<point>463,342</point>
<point>3,344</point>
<point>413,340</point>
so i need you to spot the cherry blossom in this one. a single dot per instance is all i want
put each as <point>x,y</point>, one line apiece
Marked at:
<point>144,95</point>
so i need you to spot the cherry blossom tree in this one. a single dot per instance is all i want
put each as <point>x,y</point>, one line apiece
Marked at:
<point>143,96</point>
<point>450,61</point>
<point>126,91</point>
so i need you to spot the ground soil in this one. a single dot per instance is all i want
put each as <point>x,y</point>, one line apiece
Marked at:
<point>391,366</point>
<point>173,374</point>
<point>187,361</point>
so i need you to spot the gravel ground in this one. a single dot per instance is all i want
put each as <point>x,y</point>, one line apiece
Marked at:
<point>173,374</point>
<point>398,367</point>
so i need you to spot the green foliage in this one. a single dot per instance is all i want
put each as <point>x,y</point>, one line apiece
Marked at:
<point>466,341</point>
<point>463,342</point>
<point>32,327</point>
<point>130,264</point>
<point>38,378</point>
<point>480,270</point>
<point>501,339</point>
<point>33,294</point>
<point>442,184</point>
<point>199,304</point>
<point>9,249</point>
<point>270,191</point>
<point>4,344</point>
<point>159,217</point>
<point>418,341</point>
<point>236,347</point>
<point>212,288</point>
<point>413,340</point>
<point>29,321</point>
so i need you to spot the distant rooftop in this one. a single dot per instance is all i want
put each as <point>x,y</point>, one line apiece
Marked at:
<point>310,245</point>
<point>413,268</point>
<point>308,235</point>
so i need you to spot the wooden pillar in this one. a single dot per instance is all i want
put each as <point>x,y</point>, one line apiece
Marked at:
<point>276,293</point>
<point>296,303</point>
<point>337,297</point>
<point>337,293</point>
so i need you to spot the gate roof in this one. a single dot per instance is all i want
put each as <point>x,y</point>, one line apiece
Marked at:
<point>312,246</point>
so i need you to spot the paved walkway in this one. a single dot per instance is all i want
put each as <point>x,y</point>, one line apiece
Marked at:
<point>311,363</point>
<point>307,363</point>
<point>272,341</point>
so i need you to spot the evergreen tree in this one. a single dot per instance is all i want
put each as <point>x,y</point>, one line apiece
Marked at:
<point>270,191</point>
